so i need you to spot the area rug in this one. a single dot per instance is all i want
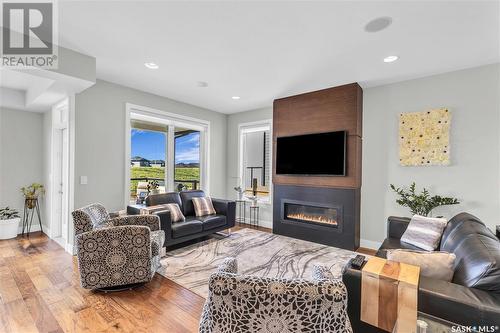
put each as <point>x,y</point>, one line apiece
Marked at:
<point>258,253</point>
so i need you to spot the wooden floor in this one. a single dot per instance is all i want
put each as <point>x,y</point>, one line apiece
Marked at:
<point>40,292</point>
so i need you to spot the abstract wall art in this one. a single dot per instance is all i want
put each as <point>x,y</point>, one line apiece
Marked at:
<point>424,138</point>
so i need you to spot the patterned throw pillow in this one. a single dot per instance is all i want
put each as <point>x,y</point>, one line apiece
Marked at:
<point>175,213</point>
<point>203,206</point>
<point>424,232</point>
<point>436,265</point>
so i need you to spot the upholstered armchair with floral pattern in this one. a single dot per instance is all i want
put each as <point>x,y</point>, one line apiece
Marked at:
<point>238,303</point>
<point>116,251</point>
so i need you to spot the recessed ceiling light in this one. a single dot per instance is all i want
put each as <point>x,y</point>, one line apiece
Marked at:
<point>151,65</point>
<point>391,58</point>
<point>202,84</point>
<point>378,24</point>
<point>236,97</point>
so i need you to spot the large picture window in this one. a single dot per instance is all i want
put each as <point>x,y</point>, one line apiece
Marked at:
<point>165,153</point>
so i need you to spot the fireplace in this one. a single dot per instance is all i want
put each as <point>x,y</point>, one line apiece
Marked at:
<point>317,214</point>
<point>311,213</point>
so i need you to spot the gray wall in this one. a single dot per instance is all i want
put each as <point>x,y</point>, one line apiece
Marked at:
<point>21,155</point>
<point>100,141</point>
<point>472,96</point>
<point>233,121</point>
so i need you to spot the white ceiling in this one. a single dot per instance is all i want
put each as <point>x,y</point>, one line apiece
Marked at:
<point>266,50</point>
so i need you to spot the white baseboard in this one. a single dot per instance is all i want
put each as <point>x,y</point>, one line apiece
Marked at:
<point>33,228</point>
<point>262,223</point>
<point>370,244</point>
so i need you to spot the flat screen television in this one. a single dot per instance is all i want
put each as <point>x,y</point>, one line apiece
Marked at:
<point>321,154</point>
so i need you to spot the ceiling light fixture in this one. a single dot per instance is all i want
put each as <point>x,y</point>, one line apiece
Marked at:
<point>391,58</point>
<point>378,24</point>
<point>151,65</point>
<point>236,97</point>
<point>202,84</point>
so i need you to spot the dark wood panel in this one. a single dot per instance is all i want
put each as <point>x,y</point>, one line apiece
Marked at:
<point>333,109</point>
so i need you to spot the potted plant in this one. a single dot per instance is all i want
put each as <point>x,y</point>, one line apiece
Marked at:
<point>240,192</point>
<point>421,203</point>
<point>9,223</point>
<point>31,194</point>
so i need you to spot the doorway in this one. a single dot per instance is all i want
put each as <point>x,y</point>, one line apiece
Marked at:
<point>59,194</point>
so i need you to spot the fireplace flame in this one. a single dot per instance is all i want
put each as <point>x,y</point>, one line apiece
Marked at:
<point>312,218</point>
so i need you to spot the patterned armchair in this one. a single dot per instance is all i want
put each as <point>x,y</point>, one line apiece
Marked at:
<point>116,251</point>
<point>238,303</point>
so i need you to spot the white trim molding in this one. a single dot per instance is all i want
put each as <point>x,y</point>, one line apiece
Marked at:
<point>251,127</point>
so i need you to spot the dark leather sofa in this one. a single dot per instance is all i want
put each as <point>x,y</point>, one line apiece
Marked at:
<point>194,226</point>
<point>472,298</point>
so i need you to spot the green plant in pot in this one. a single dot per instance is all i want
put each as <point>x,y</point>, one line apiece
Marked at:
<point>9,223</point>
<point>421,203</point>
<point>31,193</point>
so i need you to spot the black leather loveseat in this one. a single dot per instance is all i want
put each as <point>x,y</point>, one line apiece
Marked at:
<point>473,296</point>
<point>194,226</point>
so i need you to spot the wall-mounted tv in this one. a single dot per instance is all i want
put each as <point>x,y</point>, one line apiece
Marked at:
<point>321,154</point>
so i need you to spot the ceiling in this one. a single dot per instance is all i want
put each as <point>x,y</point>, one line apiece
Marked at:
<point>265,50</point>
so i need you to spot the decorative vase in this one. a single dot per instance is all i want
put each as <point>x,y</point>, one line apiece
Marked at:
<point>8,228</point>
<point>240,195</point>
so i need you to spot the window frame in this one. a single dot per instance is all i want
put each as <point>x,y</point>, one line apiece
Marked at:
<point>171,120</point>
<point>252,127</point>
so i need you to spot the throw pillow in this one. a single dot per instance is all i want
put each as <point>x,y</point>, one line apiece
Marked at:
<point>437,265</point>
<point>203,206</point>
<point>424,232</point>
<point>175,212</point>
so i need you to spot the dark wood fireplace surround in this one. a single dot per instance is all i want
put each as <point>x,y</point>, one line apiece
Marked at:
<point>334,109</point>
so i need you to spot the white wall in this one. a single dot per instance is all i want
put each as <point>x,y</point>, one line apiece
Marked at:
<point>21,156</point>
<point>100,141</point>
<point>472,96</point>
<point>233,121</point>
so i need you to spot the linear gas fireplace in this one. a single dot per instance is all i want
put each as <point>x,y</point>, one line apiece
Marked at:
<point>311,213</point>
<point>323,215</point>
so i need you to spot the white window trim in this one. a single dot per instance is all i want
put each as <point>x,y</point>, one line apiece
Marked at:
<point>139,112</point>
<point>250,127</point>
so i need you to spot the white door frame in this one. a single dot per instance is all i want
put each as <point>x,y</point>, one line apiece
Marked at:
<point>139,112</point>
<point>62,118</point>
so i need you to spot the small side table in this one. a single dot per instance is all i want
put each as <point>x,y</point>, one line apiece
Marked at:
<point>389,295</point>
<point>241,206</point>
<point>254,215</point>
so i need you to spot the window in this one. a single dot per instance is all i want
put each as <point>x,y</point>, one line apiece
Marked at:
<point>187,159</point>
<point>255,160</point>
<point>165,152</point>
<point>147,163</point>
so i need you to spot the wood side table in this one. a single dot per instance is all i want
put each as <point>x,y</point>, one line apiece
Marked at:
<point>389,294</point>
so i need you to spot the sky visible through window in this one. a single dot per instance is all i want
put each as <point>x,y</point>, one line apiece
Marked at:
<point>152,146</point>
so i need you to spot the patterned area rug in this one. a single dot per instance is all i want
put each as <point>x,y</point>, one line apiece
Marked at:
<point>258,253</point>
